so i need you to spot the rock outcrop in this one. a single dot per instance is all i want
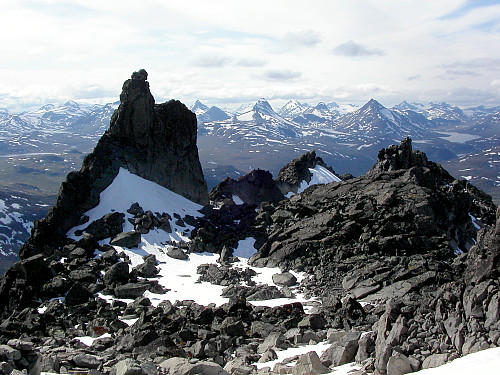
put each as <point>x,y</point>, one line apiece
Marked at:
<point>404,221</point>
<point>253,188</point>
<point>291,176</point>
<point>156,142</point>
<point>258,186</point>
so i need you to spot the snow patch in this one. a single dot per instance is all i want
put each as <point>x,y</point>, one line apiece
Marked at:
<point>320,175</point>
<point>128,188</point>
<point>237,200</point>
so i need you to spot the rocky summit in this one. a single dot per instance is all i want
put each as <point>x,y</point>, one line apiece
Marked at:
<point>156,142</point>
<point>135,271</point>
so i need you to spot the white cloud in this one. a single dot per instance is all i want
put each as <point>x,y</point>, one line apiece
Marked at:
<point>211,61</point>
<point>303,38</point>
<point>352,49</point>
<point>280,75</point>
<point>251,63</point>
<point>57,50</point>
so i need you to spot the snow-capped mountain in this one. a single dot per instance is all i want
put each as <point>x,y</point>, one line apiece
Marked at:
<point>208,114</point>
<point>486,125</point>
<point>293,108</point>
<point>260,118</point>
<point>343,108</point>
<point>437,111</point>
<point>57,118</point>
<point>199,108</point>
<point>373,120</point>
<point>53,127</point>
<point>315,116</point>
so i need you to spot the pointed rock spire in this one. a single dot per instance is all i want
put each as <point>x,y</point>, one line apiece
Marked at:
<point>155,142</point>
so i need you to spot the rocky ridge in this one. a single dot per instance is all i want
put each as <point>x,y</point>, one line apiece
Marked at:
<point>291,175</point>
<point>258,186</point>
<point>157,142</point>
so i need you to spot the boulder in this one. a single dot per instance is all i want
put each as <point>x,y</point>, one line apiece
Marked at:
<point>342,351</point>
<point>177,253</point>
<point>274,340</point>
<point>127,367</point>
<point>182,366</point>
<point>87,361</point>
<point>313,321</point>
<point>127,239</point>
<point>77,295</point>
<point>118,272</point>
<point>284,279</point>
<point>309,364</point>
<point>148,268</point>
<point>130,290</point>
<point>398,364</point>
<point>9,353</point>
<point>435,360</point>
<point>108,226</point>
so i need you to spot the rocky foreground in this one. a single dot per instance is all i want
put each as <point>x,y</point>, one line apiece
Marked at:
<point>398,269</point>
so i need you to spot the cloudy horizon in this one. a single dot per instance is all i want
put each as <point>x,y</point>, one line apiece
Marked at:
<point>226,53</point>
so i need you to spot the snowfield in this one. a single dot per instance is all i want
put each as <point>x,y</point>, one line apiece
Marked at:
<point>179,276</point>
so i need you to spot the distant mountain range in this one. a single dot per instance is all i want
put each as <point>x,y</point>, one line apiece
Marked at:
<point>38,148</point>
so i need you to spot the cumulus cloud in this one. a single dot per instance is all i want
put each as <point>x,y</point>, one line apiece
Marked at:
<point>281,75</point>
<point>352,49</point>
<point>304,38</point>
<point>211,61</point>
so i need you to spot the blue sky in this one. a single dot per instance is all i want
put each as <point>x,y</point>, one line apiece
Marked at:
<point>230,52</point>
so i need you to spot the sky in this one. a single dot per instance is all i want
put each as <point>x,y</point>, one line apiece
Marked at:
<point>226,53</point>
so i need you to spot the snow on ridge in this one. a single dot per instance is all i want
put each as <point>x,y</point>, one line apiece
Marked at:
<point>128,188</point>
<point>320,175</point>
<point>178,276</point>
<point>387,114</point>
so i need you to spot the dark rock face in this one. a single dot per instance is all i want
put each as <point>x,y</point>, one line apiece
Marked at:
<point>406,208</point>
<point>291,175</point>
<point>156,142</point>
<point>253,188</point>
<point>483,261</point>
<point>258,186</point>
<point>402,156</point>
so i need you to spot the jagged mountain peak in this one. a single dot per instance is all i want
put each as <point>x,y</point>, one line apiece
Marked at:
<point>71,103</point>
<point>300,173</point>
<point>373,103</point>
<point>413,106</point>
<point>199,108</point>
<point>293,108</point>
<point>263,105</point>
<point>322,107</point>
<point>212,114</point>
